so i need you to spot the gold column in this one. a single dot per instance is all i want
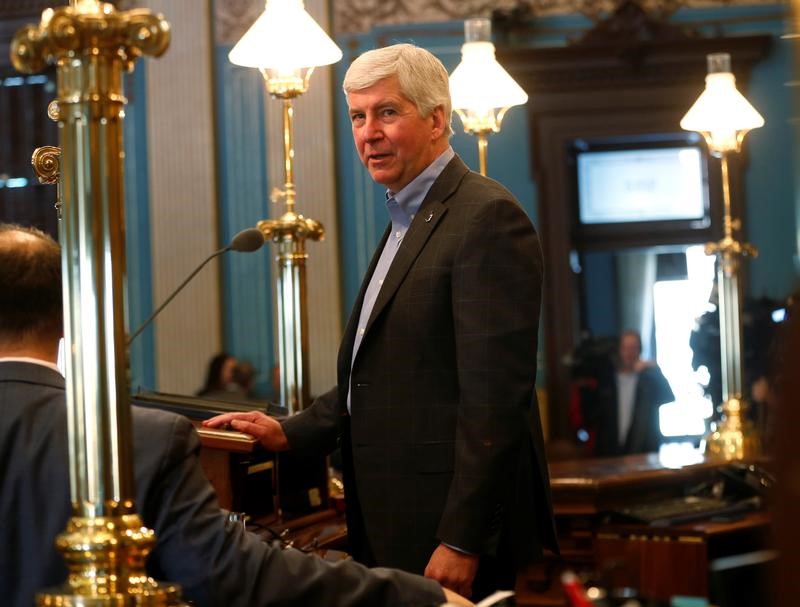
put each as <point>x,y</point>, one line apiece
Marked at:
<point>105,543</point>
<point>734,437</point>
<point>290,232</point>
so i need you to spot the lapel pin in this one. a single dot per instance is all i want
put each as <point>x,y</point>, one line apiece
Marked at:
<point>429,218</point>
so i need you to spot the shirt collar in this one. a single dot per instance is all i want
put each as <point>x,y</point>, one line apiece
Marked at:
<point>33,361</point>
<point>410,198</point>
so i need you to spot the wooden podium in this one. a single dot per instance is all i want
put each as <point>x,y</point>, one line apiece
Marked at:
<point>246,477</point>
<point>229,460</point>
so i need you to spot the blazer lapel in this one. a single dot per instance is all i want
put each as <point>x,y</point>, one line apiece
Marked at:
<point>427,218</point>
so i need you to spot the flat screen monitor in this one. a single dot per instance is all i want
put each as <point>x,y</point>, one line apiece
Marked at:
<point>641,185</point>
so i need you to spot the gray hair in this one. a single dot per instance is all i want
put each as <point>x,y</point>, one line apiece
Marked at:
<point>422,77</point>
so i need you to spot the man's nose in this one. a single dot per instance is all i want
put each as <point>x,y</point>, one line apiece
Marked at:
<point>372,129</point>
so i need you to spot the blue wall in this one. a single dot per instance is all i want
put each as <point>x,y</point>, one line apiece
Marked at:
<point>243,197</point>
<point>137,226</point>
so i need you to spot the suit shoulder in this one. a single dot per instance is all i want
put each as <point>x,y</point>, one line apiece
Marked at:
<point>485,188</point>
<point>480,197</point>
<point>150,422</point>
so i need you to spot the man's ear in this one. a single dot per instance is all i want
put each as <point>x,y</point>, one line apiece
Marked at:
<point>439,125</point>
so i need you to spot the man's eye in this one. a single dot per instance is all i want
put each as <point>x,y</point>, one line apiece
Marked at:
<point>389,111</point>
<point>356,117</point>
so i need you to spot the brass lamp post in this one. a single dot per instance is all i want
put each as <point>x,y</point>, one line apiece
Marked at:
<point>105,543</point>
<point>286,44</point>
<point>723,116</point>
<point>481,90</point>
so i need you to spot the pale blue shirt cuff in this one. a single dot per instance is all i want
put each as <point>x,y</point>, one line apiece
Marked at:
<point>457,549</point>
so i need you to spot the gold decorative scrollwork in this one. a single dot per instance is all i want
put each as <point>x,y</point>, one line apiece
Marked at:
<point>291,226</point>
<point>46,162</point>
<point>53,110</point>
<point>65,31</point>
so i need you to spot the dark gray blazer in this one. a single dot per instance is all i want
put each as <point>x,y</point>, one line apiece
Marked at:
<point>445,440</point>
<point>215,563</point>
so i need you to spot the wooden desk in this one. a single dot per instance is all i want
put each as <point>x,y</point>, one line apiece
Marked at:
<point>663,562</point>
<point>660,562</point>
<point>241,472</point>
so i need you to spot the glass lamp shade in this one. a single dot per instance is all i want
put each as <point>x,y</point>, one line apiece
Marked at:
<point>721,113</point>
<point>481,89</point>
<point>283,40</point>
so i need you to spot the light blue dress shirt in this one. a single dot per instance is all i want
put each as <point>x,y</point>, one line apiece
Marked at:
<point>402,207</point>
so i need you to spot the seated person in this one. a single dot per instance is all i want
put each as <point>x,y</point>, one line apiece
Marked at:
<point>215,562</point>
<point>220,382</point>
<point>244,376</point>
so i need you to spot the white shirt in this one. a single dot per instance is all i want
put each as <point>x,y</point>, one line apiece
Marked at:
<point>626,395</point>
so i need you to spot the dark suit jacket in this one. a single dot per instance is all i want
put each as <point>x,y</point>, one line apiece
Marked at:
<point>216,563</point>
<point>644,434</point>
<point>445,438</point>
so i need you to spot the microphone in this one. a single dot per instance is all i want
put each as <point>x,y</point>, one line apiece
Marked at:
<point>246,241</point>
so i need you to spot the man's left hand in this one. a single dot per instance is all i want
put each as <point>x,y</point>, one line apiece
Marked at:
<point>453,569</point>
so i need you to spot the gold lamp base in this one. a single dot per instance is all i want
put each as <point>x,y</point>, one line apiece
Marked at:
<point>105,556</point>
<point>733,438</point>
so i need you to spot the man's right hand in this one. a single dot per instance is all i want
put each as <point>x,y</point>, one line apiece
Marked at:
<point>456,599</point>
<point>266,429</point>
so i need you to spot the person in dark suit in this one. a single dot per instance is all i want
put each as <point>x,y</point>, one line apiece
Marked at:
<point>626,415</point>
<point>435,407</point>
<point>215,562</point>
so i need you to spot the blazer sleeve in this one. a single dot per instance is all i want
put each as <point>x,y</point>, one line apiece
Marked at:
<point>496,287</point>
<point>217,563</point>
<point>316,428</point>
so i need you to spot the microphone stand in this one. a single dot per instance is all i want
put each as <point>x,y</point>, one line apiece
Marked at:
<point>150,318</point>
<point>246,241</point>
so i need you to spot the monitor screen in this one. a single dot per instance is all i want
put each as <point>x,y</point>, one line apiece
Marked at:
<point>639,185</point>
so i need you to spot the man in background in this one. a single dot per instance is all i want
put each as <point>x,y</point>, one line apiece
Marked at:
<point>215,562</point>
<point>628,421</point>
<point>435,408</point>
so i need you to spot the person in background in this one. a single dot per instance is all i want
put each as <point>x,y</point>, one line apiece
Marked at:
<point>215,562</point>
<point>435,408</point>
<point>219,377</point>
<point>626,419</point>
<point>244,376</point>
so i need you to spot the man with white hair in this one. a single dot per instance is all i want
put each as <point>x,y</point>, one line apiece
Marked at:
<point>435,407</point>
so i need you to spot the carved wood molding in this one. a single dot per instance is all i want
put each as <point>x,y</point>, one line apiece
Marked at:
<point>631,25</point>
<point>352,16</point>
<point>627,63</point>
